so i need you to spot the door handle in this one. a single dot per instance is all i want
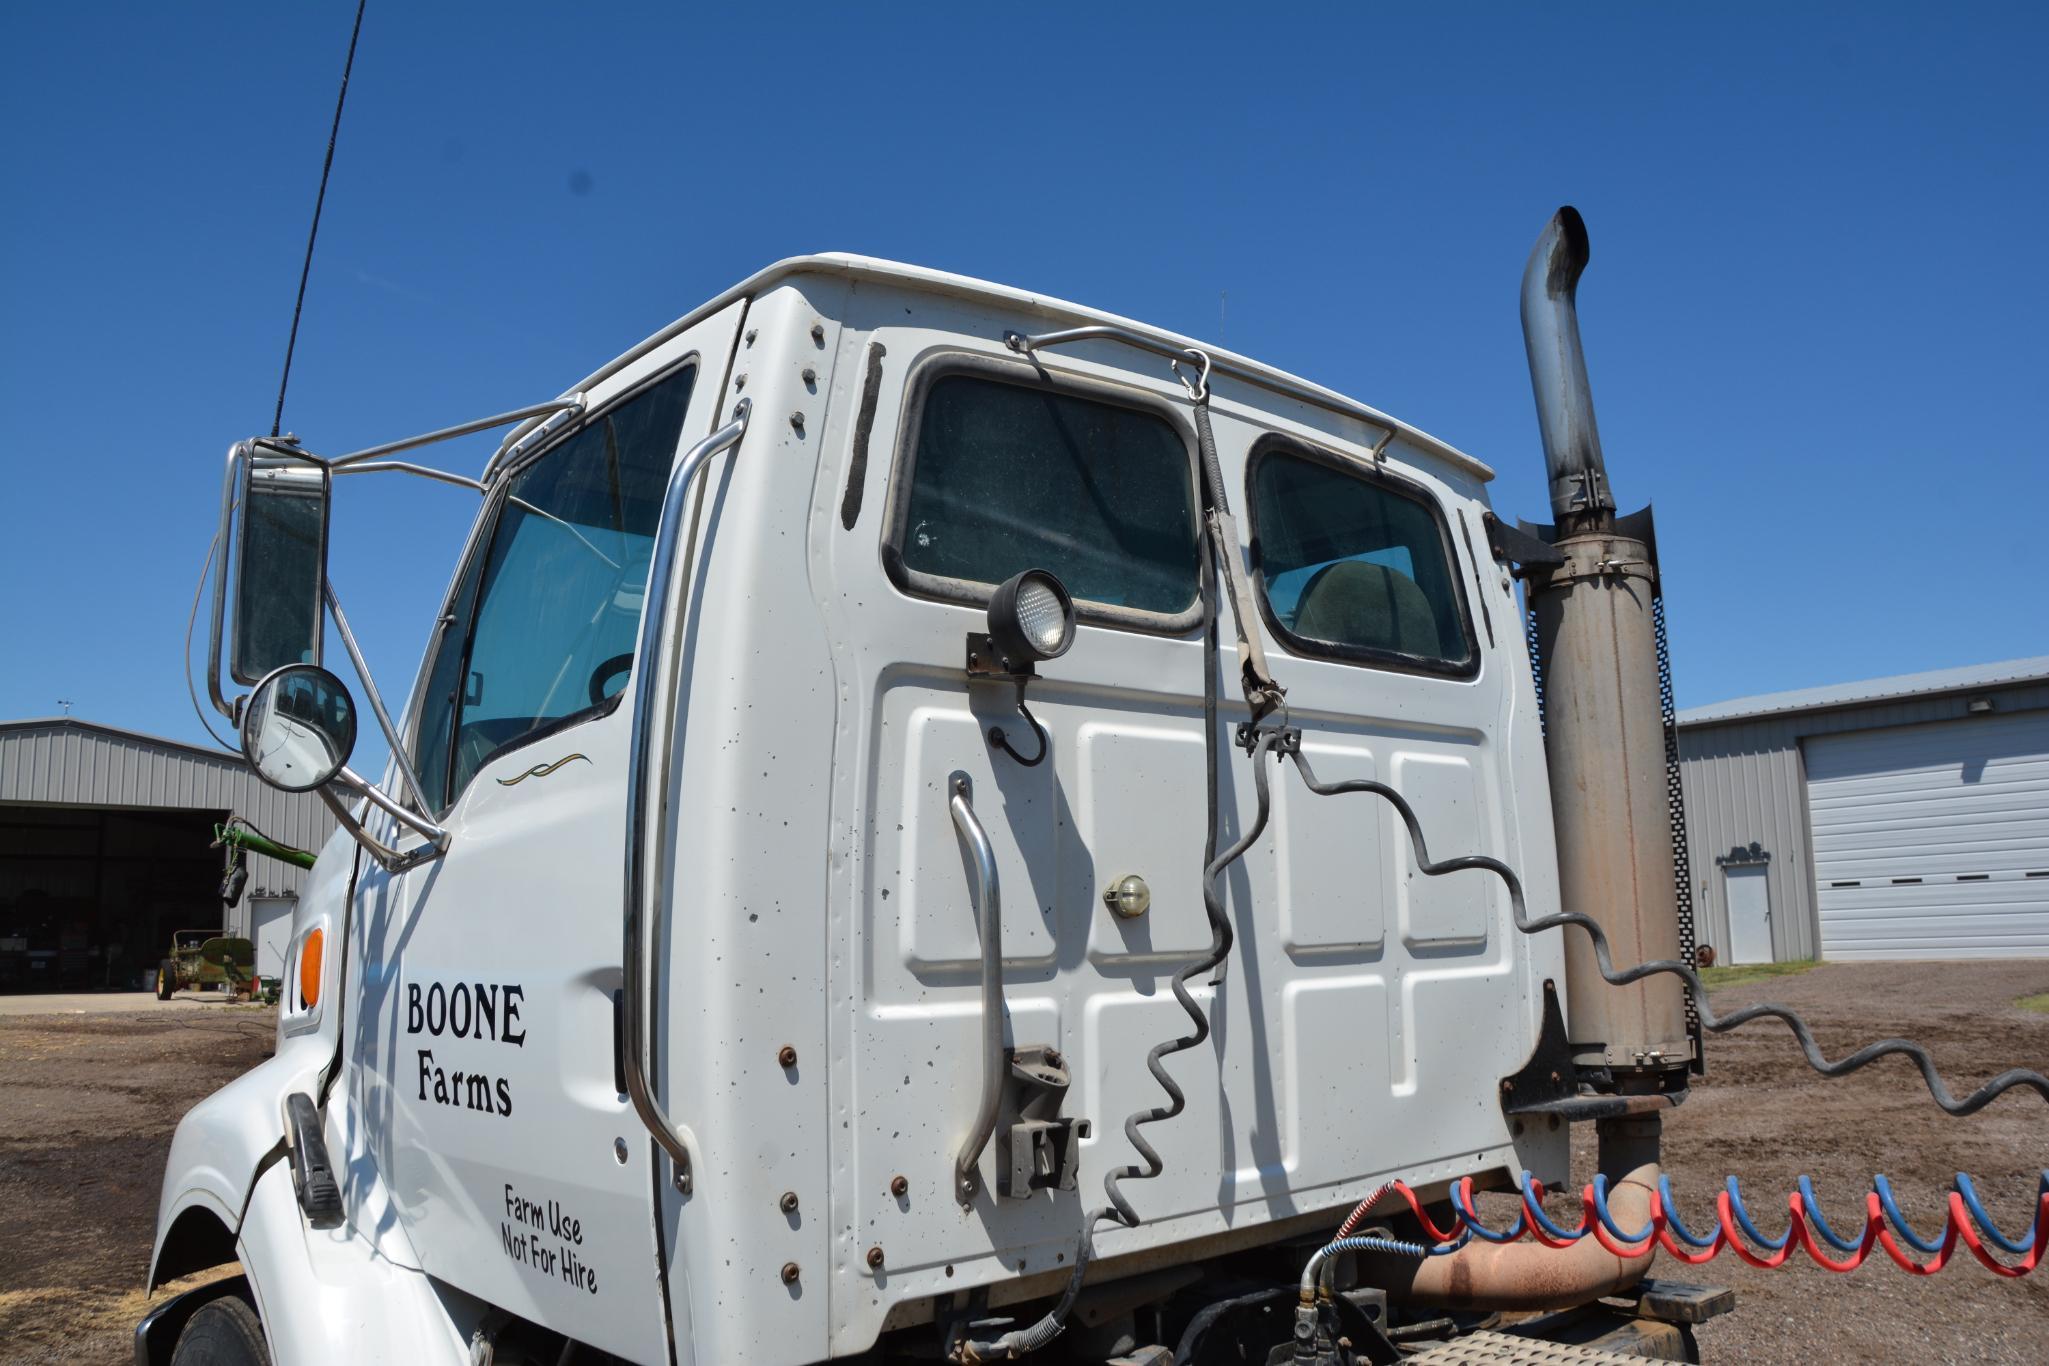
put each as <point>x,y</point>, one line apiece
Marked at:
<point>967,1178</point>
<point>647,784</point>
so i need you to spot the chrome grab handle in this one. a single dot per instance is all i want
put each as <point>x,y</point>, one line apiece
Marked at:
<point>967,1178</point>
<point>647,792</point>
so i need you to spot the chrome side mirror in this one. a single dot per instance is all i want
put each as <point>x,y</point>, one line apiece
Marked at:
<point>281,566</point>
<point>299,728</point>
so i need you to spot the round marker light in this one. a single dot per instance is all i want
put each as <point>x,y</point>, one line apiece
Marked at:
<point>1031,617</point>
<point>310,954</point>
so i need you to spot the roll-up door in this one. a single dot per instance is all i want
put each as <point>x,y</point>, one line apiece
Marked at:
<point>1932,841</point>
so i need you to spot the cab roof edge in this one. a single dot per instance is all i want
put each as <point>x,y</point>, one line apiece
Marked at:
<point>894,272</point>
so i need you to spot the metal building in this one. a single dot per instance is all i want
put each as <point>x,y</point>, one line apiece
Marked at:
<point>1897,818</point>
<point>104,838</point>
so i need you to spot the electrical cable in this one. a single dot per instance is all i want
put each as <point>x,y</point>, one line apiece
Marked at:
<point>191,621</point>
<point>1120,1209</point>
<point>1870,1053</point>
<point>313,233</point>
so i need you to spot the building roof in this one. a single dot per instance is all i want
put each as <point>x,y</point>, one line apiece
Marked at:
<point>2034,669</point>
<point>94,727</point>
<point>65,761</point>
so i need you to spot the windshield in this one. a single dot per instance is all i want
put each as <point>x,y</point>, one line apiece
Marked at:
<point>542,629</point>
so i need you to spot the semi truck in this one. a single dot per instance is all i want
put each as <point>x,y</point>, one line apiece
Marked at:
<point>936,823</point>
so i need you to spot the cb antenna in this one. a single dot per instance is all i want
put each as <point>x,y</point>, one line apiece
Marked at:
<point>292,341</point>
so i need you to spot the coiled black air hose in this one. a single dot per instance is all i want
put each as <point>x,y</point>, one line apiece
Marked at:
<point>1870,1053</point>
<point>1120,1210</point>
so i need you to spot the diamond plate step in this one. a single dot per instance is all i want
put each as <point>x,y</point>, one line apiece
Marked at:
<point>1500,1349</point>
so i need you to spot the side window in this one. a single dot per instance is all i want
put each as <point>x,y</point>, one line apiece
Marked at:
<point>543,626</point>
<point>1355,567</point>
<point>1009,476</point>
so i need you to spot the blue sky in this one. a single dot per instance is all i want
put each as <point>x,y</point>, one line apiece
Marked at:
<point>1814,314</point>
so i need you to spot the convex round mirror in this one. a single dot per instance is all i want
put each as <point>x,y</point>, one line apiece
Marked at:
<point>299,728</point>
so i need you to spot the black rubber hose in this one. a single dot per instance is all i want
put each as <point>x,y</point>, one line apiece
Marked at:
<point>1212,466</point>
<point>1212,739</point>
<point>1971,1104</point>
<point>1220,946</point>
<point>1119,1210</point>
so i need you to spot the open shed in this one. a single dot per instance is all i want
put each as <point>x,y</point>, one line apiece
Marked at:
<point>104,837</point>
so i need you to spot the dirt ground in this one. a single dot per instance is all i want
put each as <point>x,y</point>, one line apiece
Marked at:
<point>1764,1116</point>
<point>87,1106</point>
<point>88,1102</point>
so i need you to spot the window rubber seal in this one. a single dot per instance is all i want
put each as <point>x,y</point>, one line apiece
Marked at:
<point>1366,472</point>
<point>1031,374</point>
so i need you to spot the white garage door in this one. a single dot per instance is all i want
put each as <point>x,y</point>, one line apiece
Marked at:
<point>1933,841</point>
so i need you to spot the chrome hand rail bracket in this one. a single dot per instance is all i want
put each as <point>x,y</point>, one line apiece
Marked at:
<point>967,1176</point>
<point>647,781</point>
<point>1326,399</point>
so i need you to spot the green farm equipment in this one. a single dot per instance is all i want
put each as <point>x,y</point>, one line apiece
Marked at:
<point>203,959</point>
<point>240,839</point>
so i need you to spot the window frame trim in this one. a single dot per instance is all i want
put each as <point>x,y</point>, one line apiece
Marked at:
<point>482,536</point>
<point>1377,475</point>
<point>950,362</point>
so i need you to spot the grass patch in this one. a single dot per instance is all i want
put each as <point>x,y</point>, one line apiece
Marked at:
<point>1744,973</point>
<point>2038,1004</point>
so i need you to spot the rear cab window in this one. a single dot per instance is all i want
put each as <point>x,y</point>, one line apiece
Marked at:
<point>1355,564</point>
<point>1001,471</point>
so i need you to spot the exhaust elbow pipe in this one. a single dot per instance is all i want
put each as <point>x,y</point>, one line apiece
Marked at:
<point>1558,374</point>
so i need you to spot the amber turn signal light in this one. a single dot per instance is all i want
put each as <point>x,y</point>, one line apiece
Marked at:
<point>309,970</point>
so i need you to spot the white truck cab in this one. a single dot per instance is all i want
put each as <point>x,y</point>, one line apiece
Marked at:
<point>797,827</point>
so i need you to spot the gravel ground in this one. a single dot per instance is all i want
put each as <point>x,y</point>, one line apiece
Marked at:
<point>88,1102</point>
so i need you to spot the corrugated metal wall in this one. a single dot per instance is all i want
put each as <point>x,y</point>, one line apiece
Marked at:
<point>1746,781</point>
<point>75,763</point>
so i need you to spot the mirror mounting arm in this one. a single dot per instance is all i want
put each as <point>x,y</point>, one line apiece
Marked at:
<point>388,858</point>
<point>391,735</point>
<point>437,836</point>
<point>558,410</point>
<point>422,471</point>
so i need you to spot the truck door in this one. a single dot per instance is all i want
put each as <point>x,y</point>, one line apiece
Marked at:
<point>484,1067</point>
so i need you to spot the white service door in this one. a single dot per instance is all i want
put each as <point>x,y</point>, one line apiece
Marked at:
<point>1932,841</point>
<point>270,930</point>
<point>1748,888</point>
<point>484,1044</point>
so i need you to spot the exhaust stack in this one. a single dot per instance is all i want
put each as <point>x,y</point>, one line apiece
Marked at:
<point>1558,373</point>
<point>1597,653</point>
